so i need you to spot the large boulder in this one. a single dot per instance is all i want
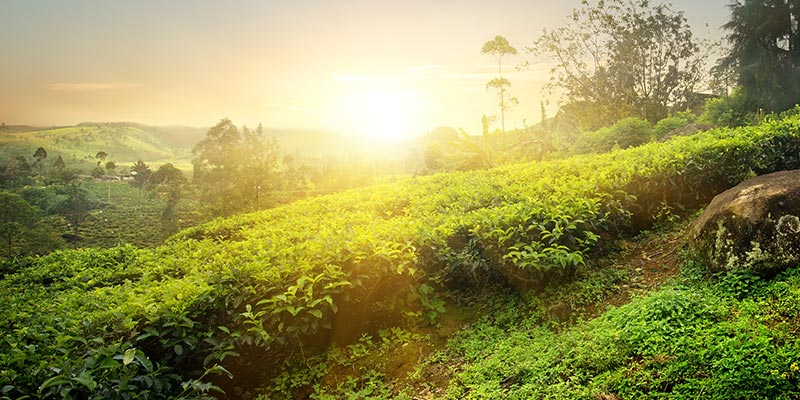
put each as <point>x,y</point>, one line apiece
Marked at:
<point>754,226</point>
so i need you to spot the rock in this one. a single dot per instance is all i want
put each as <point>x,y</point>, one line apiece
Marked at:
<point>754,226</point>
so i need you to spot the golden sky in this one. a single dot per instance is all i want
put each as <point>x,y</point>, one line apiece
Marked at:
<point>352,66</point>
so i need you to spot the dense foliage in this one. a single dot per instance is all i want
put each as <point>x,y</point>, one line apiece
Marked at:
<point>260,286</point>
<point>731,338</point>
<point>765,52</point>
<point>623,58</point>
<point>234,169</point>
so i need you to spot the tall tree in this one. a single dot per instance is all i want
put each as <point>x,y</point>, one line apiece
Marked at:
<point>111,168</point>
<point>17,172</point>
<point>261,165</point>
<point>234,168</point>
<point>216,168</point>
<point>16,218</point>
<point>620,58</point>
<point>75,207</point>
<point>499,48</point>
<point>141,174</point>
<point>40,155</point>
<point>765,52</point>
<point>98,170</point>
<point>59,173</point>
<point>168,181</point>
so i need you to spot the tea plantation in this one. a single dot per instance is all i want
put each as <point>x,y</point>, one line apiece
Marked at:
<point>242,296</point>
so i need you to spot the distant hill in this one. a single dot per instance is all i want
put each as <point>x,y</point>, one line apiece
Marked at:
<point>179,136</point>
<point>126,142</point>
<point>123,142</point>
<point>20,128</point>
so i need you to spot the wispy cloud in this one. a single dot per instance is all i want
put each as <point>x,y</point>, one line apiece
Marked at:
<point>90,86</point>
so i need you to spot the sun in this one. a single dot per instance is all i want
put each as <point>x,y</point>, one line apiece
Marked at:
<point>381,112</point>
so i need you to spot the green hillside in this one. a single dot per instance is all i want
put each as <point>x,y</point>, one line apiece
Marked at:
<point>251,293</point>
<point>124,143</point>
<point>127,142</point>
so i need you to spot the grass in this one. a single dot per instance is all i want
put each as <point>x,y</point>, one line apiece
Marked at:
<point>692,339</point>
<point>733,336</point>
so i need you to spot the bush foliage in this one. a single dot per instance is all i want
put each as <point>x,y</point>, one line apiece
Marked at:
<point>158,323</point>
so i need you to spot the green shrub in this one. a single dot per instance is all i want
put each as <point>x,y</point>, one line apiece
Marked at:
<point>628,132</point>
<point>669,124</point>
<point>730,111</point>
<point>261,285</point>
<point>631,132</point>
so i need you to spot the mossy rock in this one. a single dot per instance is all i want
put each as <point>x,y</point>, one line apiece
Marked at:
<point>754,226</point>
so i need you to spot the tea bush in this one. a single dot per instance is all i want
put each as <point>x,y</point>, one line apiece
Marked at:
<point>259,286</point>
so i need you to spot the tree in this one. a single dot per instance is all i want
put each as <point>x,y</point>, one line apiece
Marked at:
<point>505,103</point>
<point>17,172</point>
<point>623,58</point>
<point>141,174</point>
<point>59,163</point>
<point>216,168</point>
<point>500,48</point>
<point>260,164</point>
<point>40,155</point>
<point>765,52</point>
<point>59,173</point>
<point>17,217</point>
<point>233,168</point>
<point>75,207</point>
<point>168,181</point>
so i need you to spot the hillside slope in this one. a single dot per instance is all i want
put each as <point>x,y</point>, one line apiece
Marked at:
<point>122,142</point>
<point>258,287</point>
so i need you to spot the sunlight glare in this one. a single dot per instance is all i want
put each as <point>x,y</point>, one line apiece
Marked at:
<point>387,113</point>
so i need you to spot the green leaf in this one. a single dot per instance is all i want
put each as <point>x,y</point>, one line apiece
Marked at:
<point>178,349</point>
<point>294,310</point>
<point>109,363</point>
<point>54,381</point>
<point>148,365</point>
<point>316,313</point>
<point>85,379</point>
<point>219,370</point>
<point>128,357</point>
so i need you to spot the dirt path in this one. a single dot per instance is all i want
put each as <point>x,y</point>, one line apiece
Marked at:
<point>651,262</point>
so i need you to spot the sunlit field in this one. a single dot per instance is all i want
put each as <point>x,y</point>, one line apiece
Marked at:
<point>409,200</point>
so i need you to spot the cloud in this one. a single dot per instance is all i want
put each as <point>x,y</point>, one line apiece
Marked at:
<point>91,86</point>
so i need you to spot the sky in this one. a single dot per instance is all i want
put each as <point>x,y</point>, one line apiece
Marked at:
<point>367,67</point>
